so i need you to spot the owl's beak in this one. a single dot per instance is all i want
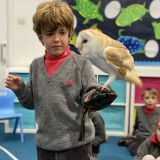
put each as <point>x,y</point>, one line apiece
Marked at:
<point>79,48</point>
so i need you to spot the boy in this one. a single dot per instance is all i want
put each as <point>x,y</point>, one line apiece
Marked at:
<point>150,148</point>
<point>57,84</point>
<point>145,118</point>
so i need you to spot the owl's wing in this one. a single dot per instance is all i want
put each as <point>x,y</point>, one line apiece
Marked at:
<point>123,61</point>
<point>119,57</point>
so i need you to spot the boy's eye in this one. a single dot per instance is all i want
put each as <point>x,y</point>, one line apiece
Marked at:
<point>49,33</point>
<point>62,32</point>
<point>150,97</point>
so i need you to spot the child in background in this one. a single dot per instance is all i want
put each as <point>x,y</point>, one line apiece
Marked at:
<point>150,148</point>
<point>145,118</point>
<point>57,84</point>
<point>100,135</point>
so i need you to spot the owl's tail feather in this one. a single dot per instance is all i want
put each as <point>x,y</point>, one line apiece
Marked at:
<point>130,76</point>
<point>133,78</point>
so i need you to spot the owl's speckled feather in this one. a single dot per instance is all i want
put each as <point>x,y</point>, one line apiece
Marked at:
<point>109,55</point>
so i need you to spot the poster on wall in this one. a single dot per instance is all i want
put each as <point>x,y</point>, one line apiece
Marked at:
<point>135,23</point>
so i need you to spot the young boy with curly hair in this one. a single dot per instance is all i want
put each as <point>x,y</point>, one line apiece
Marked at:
<point>57,84</point>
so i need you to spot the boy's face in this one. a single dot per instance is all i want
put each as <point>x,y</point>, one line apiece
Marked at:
<point>55,42</point>
<point>158,132</point>
<point>150,100</point>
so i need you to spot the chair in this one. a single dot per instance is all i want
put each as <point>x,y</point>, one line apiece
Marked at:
<point>7,111</point>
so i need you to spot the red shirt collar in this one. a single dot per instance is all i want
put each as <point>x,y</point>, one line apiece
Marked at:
<point>52,57</point>
<point>149,111</point>
<point>154,139</point>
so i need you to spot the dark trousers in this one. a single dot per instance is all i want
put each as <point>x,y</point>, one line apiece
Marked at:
<point>80,153</point>
<point>134,144</point>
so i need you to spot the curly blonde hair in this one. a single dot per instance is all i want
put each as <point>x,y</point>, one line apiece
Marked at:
<point>51,15</point>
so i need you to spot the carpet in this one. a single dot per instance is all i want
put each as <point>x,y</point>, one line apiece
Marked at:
<point>111,151</point>
<point>27,150</point>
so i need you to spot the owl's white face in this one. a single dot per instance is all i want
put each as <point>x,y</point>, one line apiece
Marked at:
<point>84,43</point>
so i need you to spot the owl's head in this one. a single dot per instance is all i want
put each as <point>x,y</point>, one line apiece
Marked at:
<point>89,41</point>
<point>84,42</point>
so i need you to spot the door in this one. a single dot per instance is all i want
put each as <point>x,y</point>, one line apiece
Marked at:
<point>3,42</point>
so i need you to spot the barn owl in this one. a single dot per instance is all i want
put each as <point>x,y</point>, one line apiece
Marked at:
<point>107,54</point>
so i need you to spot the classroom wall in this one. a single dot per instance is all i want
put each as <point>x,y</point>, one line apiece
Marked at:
<point>23,42</point>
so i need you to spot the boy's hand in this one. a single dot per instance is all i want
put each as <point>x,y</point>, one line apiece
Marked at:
<point>99,98</point>
<point>13,82</point>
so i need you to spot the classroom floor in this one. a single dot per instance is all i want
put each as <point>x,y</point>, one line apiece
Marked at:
<point>27,150</point>
<point>111,151</point>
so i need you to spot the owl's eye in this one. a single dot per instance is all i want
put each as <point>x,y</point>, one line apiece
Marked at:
<point>85,41</point>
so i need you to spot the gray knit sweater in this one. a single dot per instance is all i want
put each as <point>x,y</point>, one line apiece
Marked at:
<point>58,106</point>
<point>144,123</point>
<point>148,147</point>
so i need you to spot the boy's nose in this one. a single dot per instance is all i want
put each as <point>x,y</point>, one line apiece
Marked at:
<point>55,38</point>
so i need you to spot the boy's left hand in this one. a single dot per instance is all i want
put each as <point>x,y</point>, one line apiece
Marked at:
<point>99,98</point>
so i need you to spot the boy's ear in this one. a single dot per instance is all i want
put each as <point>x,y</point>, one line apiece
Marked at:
<point>40,38</point>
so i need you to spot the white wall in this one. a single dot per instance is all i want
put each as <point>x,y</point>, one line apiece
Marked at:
<point>3,42</point>
<point>23,41</point>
